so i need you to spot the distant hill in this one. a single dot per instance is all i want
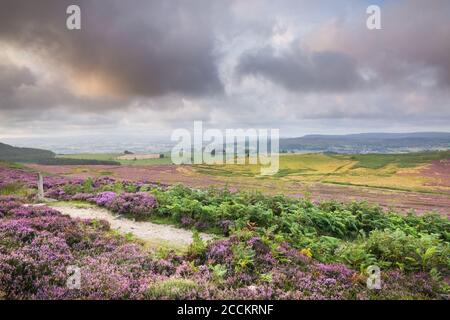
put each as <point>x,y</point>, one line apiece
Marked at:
<point>368,142</point>
<point>40,156</point>
<point>15,154</point>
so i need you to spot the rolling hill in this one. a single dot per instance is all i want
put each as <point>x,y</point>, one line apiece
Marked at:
<point>15,154</point>
<point>369,142</point>
<point>30,155</point>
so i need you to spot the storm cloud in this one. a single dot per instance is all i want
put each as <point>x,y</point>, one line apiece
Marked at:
<point>302,66</point>
<point>144,48</point>
<point>300,71</point>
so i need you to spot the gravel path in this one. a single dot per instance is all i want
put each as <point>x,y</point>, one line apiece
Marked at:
<point>147,231</point>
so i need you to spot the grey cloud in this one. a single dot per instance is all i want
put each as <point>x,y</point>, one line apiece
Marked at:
<point>146,48</point>
<point>409,51</point>
<point>12,78</point>
<point>153,54</point>
<point>298,70</point>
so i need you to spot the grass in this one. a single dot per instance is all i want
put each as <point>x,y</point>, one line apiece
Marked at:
<point>146,162</point>
<point>173,288</point>
<point>91,156</point>
<point>406,160</point>
<point>11,165</point>
<point>14,188</point>
<point>390,171</point>
<point>114,157</point>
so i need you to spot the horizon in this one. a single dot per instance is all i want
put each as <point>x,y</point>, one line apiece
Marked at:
<point>60,145</point>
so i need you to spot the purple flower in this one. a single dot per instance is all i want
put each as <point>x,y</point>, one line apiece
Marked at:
<point>139,204</point>
<point>104,198</point>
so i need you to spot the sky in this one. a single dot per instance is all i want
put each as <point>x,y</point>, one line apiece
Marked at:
<point>144,68</point>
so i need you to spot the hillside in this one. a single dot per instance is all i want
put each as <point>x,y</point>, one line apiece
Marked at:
<point>40,156</point>
<point>15,154</point>
<point>369,142</point>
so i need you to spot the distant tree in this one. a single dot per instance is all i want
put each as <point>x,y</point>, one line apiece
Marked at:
<point>127,152</point>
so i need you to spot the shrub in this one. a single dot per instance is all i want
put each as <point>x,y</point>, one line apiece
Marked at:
<point>197,247</point>
<point>408,252</point>
<point>139,205</point>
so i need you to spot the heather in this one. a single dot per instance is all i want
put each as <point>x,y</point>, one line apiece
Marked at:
<point>38,244</point>
<point>273,247</point>
<point>356,234</point>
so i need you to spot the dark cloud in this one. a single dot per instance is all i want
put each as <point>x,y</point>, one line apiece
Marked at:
<point>12,78</point>
<point>298,70</point>
<point>341,54</point>
<point>144,48</point>
<point>148,63</point>
<point>410,51</point>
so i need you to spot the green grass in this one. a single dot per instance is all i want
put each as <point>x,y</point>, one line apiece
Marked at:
<point>12,165</point>
<point>14,188</point>
<point>389,171</point>
<point>146,162</point>
<point>173,288</point>
<point>113,157</point>
<point>91,156</point>
<point>406,160</point>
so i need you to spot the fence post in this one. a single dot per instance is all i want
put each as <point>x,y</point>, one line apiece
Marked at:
<point>40,194</point>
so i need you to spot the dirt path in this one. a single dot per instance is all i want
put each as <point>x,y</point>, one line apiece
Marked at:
<point>147,231</point>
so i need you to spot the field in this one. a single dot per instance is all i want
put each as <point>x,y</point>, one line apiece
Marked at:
<point>400,171</point>
<point>115,157</point>
<point>419,181</point>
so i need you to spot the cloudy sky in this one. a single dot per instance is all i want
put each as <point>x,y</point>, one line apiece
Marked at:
<point>144,68</point>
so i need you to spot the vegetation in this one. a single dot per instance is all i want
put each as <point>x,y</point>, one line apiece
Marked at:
<point>273,247</point>
<point>45,157</point>
<point>15,154</point>
<point>369,142</point>
<point>38,245</point>
<point>390,171</point>
<point>403,160</point>
<point>68,161</point>
<point>356,234</point>
<point>114,157</point>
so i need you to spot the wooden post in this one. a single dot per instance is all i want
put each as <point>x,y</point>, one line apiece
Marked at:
<point>40,194</point>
